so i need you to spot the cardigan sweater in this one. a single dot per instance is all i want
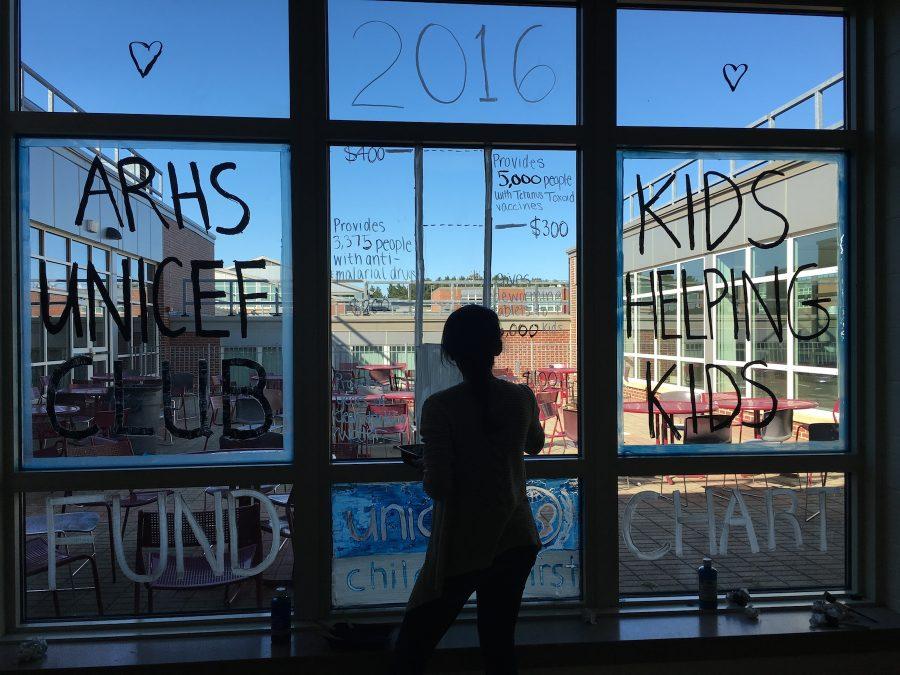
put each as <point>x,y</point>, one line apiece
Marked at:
<point>474,470</point>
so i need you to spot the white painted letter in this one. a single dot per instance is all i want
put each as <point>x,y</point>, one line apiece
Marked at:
<point>789,514</point>
<point>730,521</point>
<point>627,517</point>
<point>708,518</point>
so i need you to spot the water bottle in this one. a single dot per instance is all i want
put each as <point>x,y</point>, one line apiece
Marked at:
<point>281,615</point>
<point>708,578</point>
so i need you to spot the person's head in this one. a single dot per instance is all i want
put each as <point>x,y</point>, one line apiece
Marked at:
<point>472,338</point>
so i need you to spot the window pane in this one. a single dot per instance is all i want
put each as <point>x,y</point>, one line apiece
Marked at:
<point>749,216</point>
<point>158,60</point>
<point>800,544</point>
<point>533,272</point>
<point>818,317</point>
<point>380,532</point>
<point>373,299</point>
<point>86,518</point>
<point>730,344</point>
<point>240,219</point>
<point>430,62</point>
<point>735,80</point>
<point>820,248</point>
<point>55,247</point>
<point>821,388</point>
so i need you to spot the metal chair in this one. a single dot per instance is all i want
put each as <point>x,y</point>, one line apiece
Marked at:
<point>197,572</point>
<point>779,429</point>
<point>548,409</point>
<point>674,396</point>
<point>37,560</point>
<point>248,412</point>
<point>835,411</point>
<point>570,425</point>
<point>182,390</point>
<point>705,432</point>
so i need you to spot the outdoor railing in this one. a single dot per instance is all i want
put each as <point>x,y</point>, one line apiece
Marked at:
<point>230,305</point>
<point>816,94</point>
<point>155,188</point>
<point>507,298</point>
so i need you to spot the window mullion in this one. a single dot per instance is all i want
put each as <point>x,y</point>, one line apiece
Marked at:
<point>310,301</point>
<point>598,284</point>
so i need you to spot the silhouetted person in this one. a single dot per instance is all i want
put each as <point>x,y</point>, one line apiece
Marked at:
<point>483,534</point>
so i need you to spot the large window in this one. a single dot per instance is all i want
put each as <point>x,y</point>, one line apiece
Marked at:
<point>227,295</point>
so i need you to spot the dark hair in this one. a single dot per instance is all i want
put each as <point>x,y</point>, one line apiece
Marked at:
<point>472,338</point>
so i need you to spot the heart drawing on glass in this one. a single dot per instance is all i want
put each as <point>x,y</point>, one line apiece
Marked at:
<point>730,71</point>
<point>146,54</point>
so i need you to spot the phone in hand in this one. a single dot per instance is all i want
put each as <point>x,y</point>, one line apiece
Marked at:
<point>412,454</point>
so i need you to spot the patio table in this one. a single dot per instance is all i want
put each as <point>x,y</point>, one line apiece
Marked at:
<point>380,374</point>
<point>757,405</point>
<point>41,410</point>
<point>673,408</point>
<point>562,373</point>
<point>85,391</point>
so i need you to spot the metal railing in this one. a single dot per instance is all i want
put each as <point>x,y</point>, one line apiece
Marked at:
<point>154,188</point>
<point>230,305</point>
<point>531,298</point>
<point>816,94</point>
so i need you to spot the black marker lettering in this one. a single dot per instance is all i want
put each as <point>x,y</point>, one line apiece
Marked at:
<point>257,392</point>
<point>769,415</point>
<point>199,296</point>
<point>662,305</point>
<point>775,321</point>
<point>142,298</point>
<point>709,387</point>
<point>812,302</point>
<point>645,209</point>
<point>56,376</point>
<point>239,267</point>
<point>710,305</point>
<point>71,304</point>
<point>94,284</point>
<point>711,245</point>
<point>686,310</point>
<point>770,172</point>
<point>97,170</point>
<point>245,217</point>
<point>652,400</point>
<point>629,303</point>
<point>196,194</point>
<point>157,284</point>
<point>202,401</point>
<point>137,188</point>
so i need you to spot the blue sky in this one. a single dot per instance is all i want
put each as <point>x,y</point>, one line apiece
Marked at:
<point>229,57</point>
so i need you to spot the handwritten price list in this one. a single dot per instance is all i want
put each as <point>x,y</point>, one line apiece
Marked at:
<point>365,250</point>
<point>529,194</point>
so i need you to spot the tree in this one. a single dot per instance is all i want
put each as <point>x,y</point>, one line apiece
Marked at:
<point>400,291</point>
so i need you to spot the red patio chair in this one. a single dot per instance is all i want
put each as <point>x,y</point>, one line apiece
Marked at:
<point>197,572</point>
<point>398,412</point>
<point>548,409</point>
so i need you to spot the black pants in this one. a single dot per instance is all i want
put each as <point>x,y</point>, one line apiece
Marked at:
<point>499,594</point>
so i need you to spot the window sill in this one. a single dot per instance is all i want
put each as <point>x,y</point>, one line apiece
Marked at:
<point>614,639</point>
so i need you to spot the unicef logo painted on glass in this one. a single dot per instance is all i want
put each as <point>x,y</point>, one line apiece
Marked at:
<point>554,514</point>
